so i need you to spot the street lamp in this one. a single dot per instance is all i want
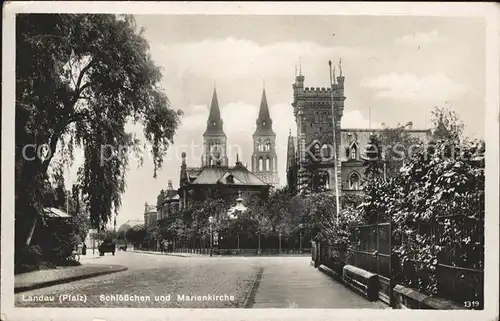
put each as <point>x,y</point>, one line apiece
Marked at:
<point>211,221</point>
<point>300,236</point>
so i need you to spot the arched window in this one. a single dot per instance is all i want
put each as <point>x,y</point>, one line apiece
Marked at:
<point>326,180</point>
<point>268,164</point>
<point>260,164</point>
<point>354,181</point>
<point>326,151</point>
<point>316,117</point>
<point>354,151</point>
<point>268,146</point>
<point>325,117</point>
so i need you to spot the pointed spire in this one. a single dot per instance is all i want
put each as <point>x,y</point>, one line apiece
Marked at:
<point>214,122</point>
<point>300,66</point>
<point>340,67</point>
<point>334,75</point>
<point>264,121</point>
<point>289,132</point>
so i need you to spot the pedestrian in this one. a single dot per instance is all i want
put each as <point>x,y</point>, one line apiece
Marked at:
<point>84,249</point>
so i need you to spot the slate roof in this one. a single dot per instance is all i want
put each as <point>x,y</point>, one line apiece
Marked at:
<point>362,136</point>
<point>222,175</point>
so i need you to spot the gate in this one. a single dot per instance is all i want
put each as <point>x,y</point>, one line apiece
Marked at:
<point>371,251</point>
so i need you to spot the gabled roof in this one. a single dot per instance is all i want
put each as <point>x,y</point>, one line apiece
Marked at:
<point>362,135</point>
<point>193,173</point>
<point>218,175</point>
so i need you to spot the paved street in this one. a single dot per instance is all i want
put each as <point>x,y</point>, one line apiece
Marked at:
<point>161,281</point>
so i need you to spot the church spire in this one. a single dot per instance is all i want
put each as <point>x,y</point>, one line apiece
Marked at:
<point>214,122</point>
<point>264,121</point>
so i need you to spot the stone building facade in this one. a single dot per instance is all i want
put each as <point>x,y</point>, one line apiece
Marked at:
<point>317,124</point>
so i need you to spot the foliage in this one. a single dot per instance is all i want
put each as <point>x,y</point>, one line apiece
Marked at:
<point>443,180</point>
<point>80,78</point>
<point>447,125</point>
<point>136,235</point>
<point>373,161</point>
<point>397,145</point>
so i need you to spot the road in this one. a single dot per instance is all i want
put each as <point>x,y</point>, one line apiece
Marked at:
<point>162,281</point>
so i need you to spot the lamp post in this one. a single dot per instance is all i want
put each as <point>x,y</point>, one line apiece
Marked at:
<point>211,221</point>
<point>300,236</point>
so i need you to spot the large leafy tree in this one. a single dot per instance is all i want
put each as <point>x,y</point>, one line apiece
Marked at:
<point>447,125</point>
<point>373,159</point>
<point>398,144</point>
<point>80,78</point>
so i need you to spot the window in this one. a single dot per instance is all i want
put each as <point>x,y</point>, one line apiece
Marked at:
<point>326,180</point>
<point>260,164</point>
<point>325,117</point>
<point>316,117</point>
<point>268,146</point>
<point>268,164</point>
<point>326,151</point>
<point>354,181</point>
<point>354,152</point>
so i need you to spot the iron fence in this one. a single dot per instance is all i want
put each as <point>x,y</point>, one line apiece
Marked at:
<point>457,242</point>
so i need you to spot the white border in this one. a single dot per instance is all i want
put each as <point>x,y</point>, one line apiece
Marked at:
<point>488,11</point>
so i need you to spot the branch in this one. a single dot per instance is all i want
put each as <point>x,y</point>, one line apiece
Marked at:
<point>82,73</point>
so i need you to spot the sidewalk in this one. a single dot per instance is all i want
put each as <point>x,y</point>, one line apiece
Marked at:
<point>43,278</point>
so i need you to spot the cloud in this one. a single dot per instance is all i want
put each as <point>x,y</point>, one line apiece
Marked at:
<point>354,119</point>
<point>419,38</point>
<point>248,58</point>
<point>432,87</point>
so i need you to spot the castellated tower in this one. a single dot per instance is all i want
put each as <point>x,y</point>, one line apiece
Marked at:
<point>214,138</point>
<point>264,158</point>
<point>312,109</point>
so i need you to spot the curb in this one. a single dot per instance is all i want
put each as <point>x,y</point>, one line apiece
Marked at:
<point>326,270</point>
<point>177,255</point>
<point>67,280</point>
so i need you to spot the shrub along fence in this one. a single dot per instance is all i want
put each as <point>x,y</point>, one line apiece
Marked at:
<point>451,267</point>
<point>443,259</point>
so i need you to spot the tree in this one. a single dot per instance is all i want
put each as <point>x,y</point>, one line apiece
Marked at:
<point>397,145</point>
<point>80,78</point>
<point>373,161</point>
<point>447,125</point>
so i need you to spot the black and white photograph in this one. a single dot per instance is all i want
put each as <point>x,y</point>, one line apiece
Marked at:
<point>229,158</point>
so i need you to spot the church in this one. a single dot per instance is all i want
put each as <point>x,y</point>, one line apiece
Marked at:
<point>216,173</point>
<point>312,108</point>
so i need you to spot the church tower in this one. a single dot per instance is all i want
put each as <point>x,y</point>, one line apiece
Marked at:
<point>264,158</point>
<point>214,138</point>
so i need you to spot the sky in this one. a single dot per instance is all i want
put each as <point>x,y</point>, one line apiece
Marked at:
<point>400,67</point>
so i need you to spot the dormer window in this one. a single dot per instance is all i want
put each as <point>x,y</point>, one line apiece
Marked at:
<point>214,123</point>
<point>230,179</point>
<point>264,123</point>
<point>354,152</point>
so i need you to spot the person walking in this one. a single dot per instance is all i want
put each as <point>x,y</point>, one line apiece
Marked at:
<point>84,249</point>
